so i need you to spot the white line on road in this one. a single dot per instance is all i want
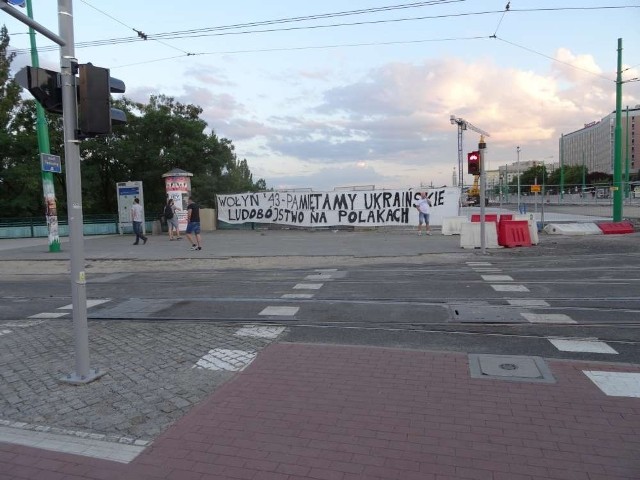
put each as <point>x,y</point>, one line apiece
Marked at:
<point>583,345</point>
<point>280,311</point>
<point>522,302</point>
<point>90,303</point>
<point>547,317</point>
<point>297,295</point>
<point>308,286</point>
<point>497,278</point>
<point>510,288</point>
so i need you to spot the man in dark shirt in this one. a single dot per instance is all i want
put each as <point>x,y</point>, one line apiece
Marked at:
<point>193,224</point>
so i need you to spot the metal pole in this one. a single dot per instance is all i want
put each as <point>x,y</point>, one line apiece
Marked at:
<point>83,374</point>
<point>561,166</point>
<point>617,162</point>
<point>43,145</point>
<point>518,168</point>
<point>460,170</point>
<point>28,21</point>
<point>481,146</point>
<point>626,163</point>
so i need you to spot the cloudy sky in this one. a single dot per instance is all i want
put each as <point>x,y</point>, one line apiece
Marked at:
<point>332,94</point>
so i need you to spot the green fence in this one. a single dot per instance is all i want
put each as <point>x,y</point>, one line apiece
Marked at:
<point>33,227</point>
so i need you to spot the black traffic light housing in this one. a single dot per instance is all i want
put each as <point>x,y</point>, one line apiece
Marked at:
<point>44,85</point>
<point>473,163</point>
<point>95,115</point>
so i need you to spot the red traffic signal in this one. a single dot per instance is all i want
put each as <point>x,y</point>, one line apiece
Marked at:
<point>473,163</point>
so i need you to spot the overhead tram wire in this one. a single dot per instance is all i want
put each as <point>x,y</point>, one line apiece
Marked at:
<point>114,41</point>
<point>311,47</point>
<point>141,35</point>
<point>554,59</point>
<point>201,32</point>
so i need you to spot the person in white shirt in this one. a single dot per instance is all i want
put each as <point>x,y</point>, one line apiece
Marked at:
<point>424,209</point>
<point>136,220</point>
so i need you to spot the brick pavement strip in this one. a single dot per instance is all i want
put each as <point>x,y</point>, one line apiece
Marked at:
<point>347,413</point>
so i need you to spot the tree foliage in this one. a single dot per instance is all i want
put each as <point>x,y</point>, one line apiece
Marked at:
<point>160,135</point>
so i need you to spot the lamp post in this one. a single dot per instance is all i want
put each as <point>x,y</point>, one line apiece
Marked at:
<point>518,169</point>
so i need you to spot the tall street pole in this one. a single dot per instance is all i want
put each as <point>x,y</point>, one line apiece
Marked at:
<point>626,160</point>
<point>518,168</point>
<point>43,145</point>
<point>617,160</point>
<point>68,64</point>
<point>483,185</point>
<point>561,166</point>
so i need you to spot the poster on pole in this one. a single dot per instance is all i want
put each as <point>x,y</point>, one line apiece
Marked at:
<point>362,208</point>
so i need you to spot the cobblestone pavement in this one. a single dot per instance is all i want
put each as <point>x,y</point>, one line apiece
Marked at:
<point>151,377</point>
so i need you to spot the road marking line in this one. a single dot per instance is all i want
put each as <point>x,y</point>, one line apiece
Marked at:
<point>325,270</point>
<point>308,286</point>
<point>510,288</point>
<point>280,311</point>
<point>4,332</point>
<point>49,315</point>
<point>497,278</point>
<point>318,276</point>
<point>585,345</point>
<point>259,331</point>
<point>486,270</point>
<point>90,303</point>
<point>616,384</point>
<point>297,295</point>
<point>547,317</point>
<point>224,359</point>
<point>478,264</point>
<point>521,302</point>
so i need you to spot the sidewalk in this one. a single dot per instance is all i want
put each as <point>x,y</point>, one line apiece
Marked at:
<point>346,413</point>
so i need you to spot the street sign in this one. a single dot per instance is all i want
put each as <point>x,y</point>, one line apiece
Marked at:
<point>536,188</point>
<point>17,3</point>
<point>50,163</point>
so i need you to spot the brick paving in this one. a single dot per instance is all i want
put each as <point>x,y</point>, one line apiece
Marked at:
<point>345,413</point>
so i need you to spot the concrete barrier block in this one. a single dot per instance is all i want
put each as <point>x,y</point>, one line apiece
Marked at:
<point>573,229</point>
<point>452,225</point>
<point>470,235</point>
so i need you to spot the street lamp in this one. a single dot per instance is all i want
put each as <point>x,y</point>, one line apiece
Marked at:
<point>518,168</point>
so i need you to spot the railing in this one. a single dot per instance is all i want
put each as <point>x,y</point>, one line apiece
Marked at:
<point>33,227</point>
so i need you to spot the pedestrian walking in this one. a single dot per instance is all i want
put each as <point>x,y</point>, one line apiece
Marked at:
<point>136,220</point>
<point>193,224</point>
<point>424,209</point>
<point>172,220</point>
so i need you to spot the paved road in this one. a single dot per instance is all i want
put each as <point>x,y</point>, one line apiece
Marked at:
<point>172,326</point>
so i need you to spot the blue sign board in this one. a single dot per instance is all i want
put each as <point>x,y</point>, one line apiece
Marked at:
<point>128,190</point>
<point>50,163</point>
<point>17,3</point>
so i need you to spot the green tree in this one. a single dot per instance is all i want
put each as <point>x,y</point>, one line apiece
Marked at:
<point>160,135</point>
<point>19,166</point>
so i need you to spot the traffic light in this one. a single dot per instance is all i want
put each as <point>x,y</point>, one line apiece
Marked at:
<point>95,115</point>
<point>473,163</point>
<point>44,85</point>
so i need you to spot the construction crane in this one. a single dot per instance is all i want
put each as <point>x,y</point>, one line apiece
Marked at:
<point>474,192</point>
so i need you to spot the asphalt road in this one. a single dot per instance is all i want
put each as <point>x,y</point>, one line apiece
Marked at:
<point>510,301</point>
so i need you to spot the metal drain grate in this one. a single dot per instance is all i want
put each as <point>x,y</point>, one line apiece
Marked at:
<point>509,367</point>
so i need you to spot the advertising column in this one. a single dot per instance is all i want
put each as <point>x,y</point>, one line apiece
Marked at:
<point>177,184</point>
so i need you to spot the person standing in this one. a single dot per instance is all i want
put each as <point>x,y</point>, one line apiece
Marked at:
<point>424,209</point>
<point>193,224</point>
<point>172,219</point>
<point>136,220</point>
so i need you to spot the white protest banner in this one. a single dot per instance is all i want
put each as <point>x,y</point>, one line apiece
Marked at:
<point>371,208</point>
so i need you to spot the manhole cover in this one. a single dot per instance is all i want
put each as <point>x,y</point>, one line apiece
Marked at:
<point>507,367</point>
